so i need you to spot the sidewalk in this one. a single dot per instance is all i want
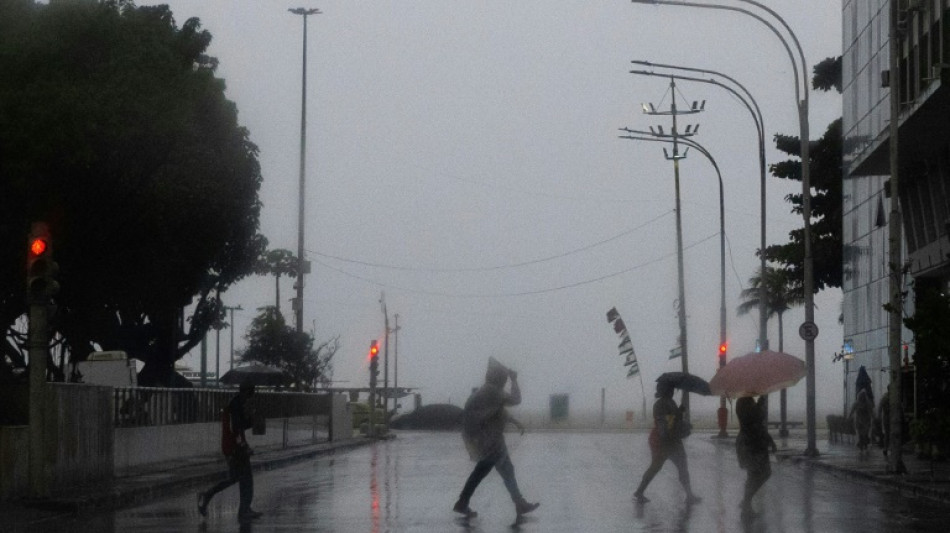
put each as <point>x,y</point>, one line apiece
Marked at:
<point>923,478</point>
<point>149,482</point>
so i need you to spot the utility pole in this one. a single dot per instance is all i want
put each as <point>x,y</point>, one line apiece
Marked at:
<point>382,302</point>
<point>396,359</point>
<point>303,267</point>
<point>675,135</point>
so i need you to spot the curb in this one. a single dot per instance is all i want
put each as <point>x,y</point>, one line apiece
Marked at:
<point>135,489</point>
<point>895,481</point>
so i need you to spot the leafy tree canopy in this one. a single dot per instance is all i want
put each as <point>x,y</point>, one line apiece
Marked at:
<point>272,342</point>
<point>825,180</point>
<point>115,130</point>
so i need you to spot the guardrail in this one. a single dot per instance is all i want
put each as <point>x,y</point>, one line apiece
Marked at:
<point>153,406</point>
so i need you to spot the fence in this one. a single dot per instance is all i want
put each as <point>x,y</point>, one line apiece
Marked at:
<point>146,406</point>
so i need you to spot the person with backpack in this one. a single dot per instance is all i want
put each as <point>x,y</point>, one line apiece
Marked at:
<point>234,421</point>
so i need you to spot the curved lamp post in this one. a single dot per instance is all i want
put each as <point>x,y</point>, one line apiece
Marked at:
<point>801,100</point>
<point>647,136</point>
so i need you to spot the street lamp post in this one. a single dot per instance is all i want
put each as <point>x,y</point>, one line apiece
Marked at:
<point>746,98</point>
<point>801,100</point>
<point>301,263</point>
<point>675,137</point>
<point>646,136</point>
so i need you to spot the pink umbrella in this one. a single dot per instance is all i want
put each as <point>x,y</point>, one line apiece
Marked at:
<point>757,373</point>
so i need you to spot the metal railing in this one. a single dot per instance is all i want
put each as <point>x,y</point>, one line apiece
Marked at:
<point>148,406</point>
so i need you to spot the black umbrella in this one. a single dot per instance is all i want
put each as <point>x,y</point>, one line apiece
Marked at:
<point>256,374</point>
<point>686,382</point>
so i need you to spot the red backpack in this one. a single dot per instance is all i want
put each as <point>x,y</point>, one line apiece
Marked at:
<point>228,438</point>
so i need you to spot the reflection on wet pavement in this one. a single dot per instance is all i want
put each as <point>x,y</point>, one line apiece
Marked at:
<point>584,482</point>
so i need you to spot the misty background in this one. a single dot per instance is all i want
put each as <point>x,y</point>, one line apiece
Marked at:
<point>463,158</point>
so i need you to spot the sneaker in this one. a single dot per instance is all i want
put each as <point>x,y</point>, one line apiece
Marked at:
<point>523,507</point>
<point>640,498</point>
<point>202,504</point>
<point>692,498</point>
<point>464,509</point>
<point>250,514</point>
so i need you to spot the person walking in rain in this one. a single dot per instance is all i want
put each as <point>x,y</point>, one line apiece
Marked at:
<point>863,414</point>
<point>238,454</point>
<point>666,443</point>
<point>484,418</point>
<point>752,447</point>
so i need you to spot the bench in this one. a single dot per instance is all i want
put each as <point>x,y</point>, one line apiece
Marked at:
<point>777,424</point>
<point>840,429</point>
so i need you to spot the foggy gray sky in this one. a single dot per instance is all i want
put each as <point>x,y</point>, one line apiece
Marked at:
<point>450,142</point>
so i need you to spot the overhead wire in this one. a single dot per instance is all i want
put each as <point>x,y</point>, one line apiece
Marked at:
<point>521,293</point>
<point>496,267</point>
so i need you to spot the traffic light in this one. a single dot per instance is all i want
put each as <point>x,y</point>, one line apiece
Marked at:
<point>41,270</point>
<point>723,348</point>
<point>374,358</point>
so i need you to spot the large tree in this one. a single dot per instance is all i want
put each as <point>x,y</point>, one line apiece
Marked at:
<point>825,180</point>
<point>115,130</point>
<point>272,342</point>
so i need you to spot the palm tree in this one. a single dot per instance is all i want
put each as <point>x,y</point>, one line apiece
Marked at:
<point>277,263</point>
<point>781,294</point>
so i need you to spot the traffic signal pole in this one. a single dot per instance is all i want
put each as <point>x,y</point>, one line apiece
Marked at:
<point>41,286</point>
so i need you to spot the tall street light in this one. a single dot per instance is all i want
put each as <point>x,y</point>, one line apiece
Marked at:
<point>675,136</point>
<point>752,106</point>
<point>647,136</point>
<point>302,265</point>
<point>808,329</point>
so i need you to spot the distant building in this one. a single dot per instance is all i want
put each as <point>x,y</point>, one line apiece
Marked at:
<point>924,148</point>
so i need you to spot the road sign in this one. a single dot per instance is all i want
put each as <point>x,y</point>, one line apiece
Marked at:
<point>808,331</point>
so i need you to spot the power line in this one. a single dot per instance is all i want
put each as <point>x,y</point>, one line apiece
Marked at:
<point>497,267</point>
<point>509,294</point>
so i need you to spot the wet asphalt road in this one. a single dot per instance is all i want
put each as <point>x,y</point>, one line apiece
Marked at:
<point>584,482</point>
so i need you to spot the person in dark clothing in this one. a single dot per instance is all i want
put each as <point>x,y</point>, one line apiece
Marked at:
<point>483,424</point>
<point>666,443</point>
<point>752,446</point>
<point>238,453</point>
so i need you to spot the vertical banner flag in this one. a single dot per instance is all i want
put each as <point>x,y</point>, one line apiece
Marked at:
<point>626,346</point>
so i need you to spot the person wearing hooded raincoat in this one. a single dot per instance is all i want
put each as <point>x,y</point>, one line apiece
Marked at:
<point>666,443</point>
<point>752,446</point>
<point>483,423</point>
<point>862,412</point>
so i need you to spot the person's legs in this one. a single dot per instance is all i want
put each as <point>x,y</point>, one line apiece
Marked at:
<point>506,469</point>
<point>482,468</point>
<point>245,479</point>
<point>758,473</point>
<point>204,498</point>
<point>658,458</point>
<point>678,457</point>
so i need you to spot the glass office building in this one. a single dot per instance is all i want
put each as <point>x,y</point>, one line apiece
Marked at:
<point>924,149</point>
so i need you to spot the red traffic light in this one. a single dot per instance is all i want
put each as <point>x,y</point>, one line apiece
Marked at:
<point>373,350</point>
<point>722,348</point>
<point>38,246</point>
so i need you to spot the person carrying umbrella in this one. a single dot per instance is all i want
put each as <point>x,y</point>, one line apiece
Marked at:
<point>484,418</point>
<point>666,442</point>
<point>235,421</point>
<point>752,446</point>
